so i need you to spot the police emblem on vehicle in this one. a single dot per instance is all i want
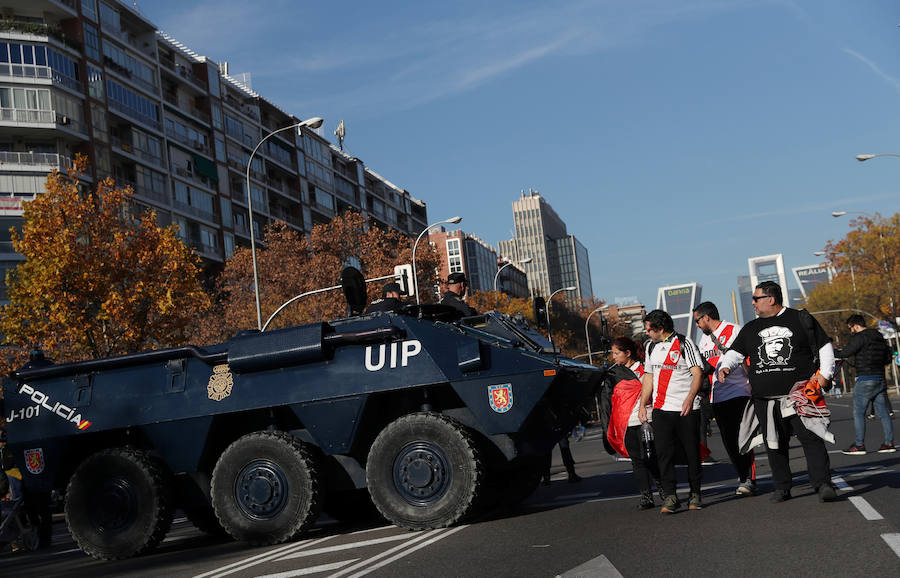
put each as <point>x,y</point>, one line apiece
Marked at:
<point>34,460</point>
<point>220,383</point>
<point>500,397</point>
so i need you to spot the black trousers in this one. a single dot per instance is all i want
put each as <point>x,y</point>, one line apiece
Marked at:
<point>818,465</point>
<point>567,459</point>
<point>728,417</point>
<point>675,432</point>
<point>643,469</point>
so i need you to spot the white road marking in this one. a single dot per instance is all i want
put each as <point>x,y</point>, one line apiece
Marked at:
<point>311,569</point>
<point>350,546</point>
<point>407,552</point>
<point>66,551</point>
<point>893,540</point>
<point>359,565</point>
<point>865,508</point>
<point>599,567</point>
<point>260,558</point>
<point>841,484</point>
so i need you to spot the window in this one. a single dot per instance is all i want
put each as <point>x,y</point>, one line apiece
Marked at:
<point>132,104</point>
<point>226,210</point>
<point>91,42</point>
<point>454,259</point>
<point>217,116</point>
<point>89,9</point>
<point>126,64</point>
<point>229,244</point>
<point>25,98</point>
<point>95,83</point>
<point>109,16</point>
<point>220,150</point>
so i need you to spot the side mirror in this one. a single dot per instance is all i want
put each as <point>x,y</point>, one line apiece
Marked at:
<point>354,286</point>
<point>540,312</point>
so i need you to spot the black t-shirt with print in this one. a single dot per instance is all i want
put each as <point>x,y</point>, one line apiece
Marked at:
<point>780,352</point>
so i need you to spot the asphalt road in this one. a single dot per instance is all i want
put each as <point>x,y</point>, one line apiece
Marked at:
<point>591,528</point>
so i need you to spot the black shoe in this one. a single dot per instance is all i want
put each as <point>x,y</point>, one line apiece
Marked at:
<point>827,493</point>
<point>574,478</point>
<point>545,481</point>
<point>779,496</point>
<point>646,502</point>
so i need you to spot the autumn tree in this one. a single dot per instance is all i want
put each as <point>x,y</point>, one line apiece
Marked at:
<point>290,264</point>
<point>98,279</point>
<point>867,263</point>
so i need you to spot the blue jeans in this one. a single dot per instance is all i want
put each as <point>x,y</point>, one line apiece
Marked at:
<point>869,387</point>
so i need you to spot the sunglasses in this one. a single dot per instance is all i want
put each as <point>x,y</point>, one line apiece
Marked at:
<point>697,320</point>
<point>758,297</point>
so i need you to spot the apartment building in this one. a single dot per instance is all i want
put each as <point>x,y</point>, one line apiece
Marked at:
<point>466,253</point>
<point>96,77</point>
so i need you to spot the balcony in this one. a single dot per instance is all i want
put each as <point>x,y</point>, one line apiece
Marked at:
<point>159,197</point>
<point>40,29</point>
<point>145,48</point>
<point>128,148</point>
<point>194,211</point>
<point>125,73</point>
<point>33,71</point>
<point>34,161</point>
<point>195,178</point>
<point>187,141</point>
<point>134,114</point>
<point>283,215</point>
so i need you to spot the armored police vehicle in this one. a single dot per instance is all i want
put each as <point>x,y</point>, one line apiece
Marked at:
<point>429,416</point>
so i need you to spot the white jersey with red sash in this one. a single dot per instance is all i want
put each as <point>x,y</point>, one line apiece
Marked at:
<point>736,383</point>
<point>670,363</point>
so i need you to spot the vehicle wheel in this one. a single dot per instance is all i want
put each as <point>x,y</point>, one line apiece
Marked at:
<point>424,472</point>
<point>118,504</point>
<point>265,488</point>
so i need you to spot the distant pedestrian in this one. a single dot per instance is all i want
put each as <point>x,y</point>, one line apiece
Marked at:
<point>625,428</point>
<point>785,346</point>
<point>871,355</point>
<point>729,397</point>
<point>567,460</point>
<point>673,375</point>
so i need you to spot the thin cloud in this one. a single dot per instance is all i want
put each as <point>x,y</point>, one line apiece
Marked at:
<point>819,207</point>
<point>893,81</point>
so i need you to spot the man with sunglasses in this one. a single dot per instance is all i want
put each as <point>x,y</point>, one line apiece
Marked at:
<point>729,397</point>
<point>785,346</point>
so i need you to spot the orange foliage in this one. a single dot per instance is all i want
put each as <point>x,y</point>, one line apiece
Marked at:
<point>97,279</point>
<point>291,264</point>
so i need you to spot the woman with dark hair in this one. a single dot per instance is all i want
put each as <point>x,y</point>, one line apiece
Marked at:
<point>624,433</point>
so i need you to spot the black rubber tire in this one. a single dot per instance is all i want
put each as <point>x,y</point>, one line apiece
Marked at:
<point>424,472</point>
<point>118,504</point>
<point>265,488</point>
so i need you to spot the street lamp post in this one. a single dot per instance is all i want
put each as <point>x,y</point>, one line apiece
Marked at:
<point>587,337</point>
<point>524,261</point>
<point>887,273</point>
<point>852,274</point>
<point>314,122</point>
<point>549,301</point>
<point>451,220</point>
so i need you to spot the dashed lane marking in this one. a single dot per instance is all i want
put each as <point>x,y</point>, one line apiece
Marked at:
<point>599,567</point>
<point>311,569</point>
<point>865,508</point>
<point>893,540</point>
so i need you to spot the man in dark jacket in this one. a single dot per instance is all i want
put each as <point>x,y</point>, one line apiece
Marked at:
<point>871,355</point>
<point>456,291</point>
<point>390,299</point>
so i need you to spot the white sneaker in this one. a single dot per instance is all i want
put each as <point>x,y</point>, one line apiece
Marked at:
<point>746,488</point>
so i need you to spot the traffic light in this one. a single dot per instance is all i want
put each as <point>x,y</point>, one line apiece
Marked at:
<point>540,312</point>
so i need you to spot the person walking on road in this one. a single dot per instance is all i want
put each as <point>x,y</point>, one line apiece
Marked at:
<point>785,346</point>
<point>872,354</point>
<point>673,375</point>
<point>729,397</point>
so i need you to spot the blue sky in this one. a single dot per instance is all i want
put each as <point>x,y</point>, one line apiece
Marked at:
<point>675,139</point>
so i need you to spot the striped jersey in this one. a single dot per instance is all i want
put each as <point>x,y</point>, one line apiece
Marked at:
<point>736,383</point>
<point>670,364</point>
